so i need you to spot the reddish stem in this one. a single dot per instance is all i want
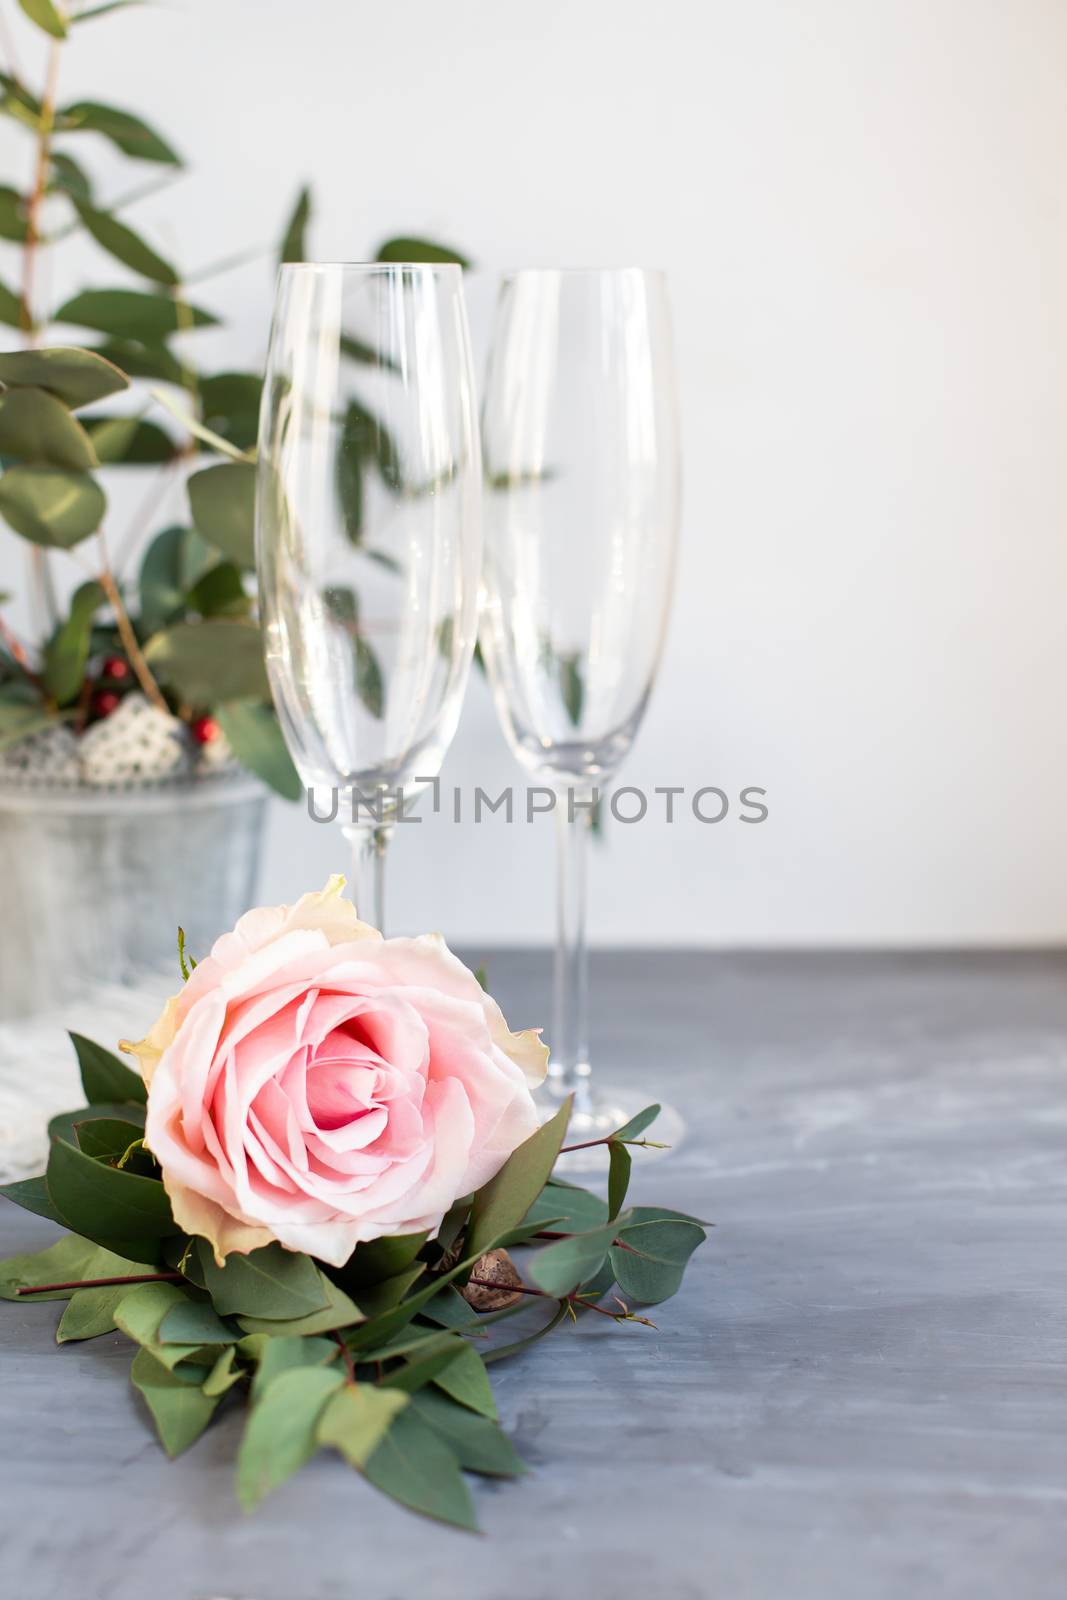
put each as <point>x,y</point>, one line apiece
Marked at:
<point>350,1365</point>
<point>102,1283</point>
<point>542,1294</point>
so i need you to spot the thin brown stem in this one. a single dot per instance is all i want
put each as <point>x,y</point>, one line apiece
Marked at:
<point>542,1294</point>
<point>17,652</point>
<point>101,1283</point>
<point>346,1355</point>
<point>40,180</point>
<point>140,666</point>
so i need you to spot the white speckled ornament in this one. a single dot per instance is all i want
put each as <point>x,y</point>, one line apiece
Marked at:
<point>216,756</point>
<point>134,744</point>
<point>48,757</point>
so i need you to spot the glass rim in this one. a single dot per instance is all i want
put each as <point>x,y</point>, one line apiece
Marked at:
<point>583,272</point>
<point>369,266</point>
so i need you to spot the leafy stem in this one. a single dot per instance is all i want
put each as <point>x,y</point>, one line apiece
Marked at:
<point>45,129</point>
<point>101,1283</point>
<point>140,666</point>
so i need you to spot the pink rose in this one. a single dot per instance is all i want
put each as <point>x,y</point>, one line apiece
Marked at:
<point>318,1085</point>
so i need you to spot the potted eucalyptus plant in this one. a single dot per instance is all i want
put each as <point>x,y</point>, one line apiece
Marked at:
<point>136,727</point>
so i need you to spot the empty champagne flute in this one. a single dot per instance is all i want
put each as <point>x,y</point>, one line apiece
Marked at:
<point>368,537</point>
<point>581,454</point>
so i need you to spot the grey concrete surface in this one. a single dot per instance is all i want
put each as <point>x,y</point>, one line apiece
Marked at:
<point>860,1393</point>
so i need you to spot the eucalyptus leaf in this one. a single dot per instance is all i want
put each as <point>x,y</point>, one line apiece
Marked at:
<point>69,1260</point>
<point>281,1431</point>
<point>479,1444</point>
<point>107,1205</point>
<point>141,1313</point>
<point>274,1354</point>
<point>68,177</point>
<point>38,428</point>
<point>419,250</point>
<point>414,1465</point>
<point>10,307</point>
<point>467,1382</point>
<point>144,358</point>
<point>650,1260</point>
<point>32,1195</point>
<point>382,1258</point>
<point>211,662</point>
<point>223,504</point>
<point>270,1282</point>
<point>132,314</point>
<point>124,244</point>
<point>132,136</point>
<point>90,1313</point>
<point>620,1162</point>
<point>173,564</point>
<point>567,1208</point>
<point>339,1312</point>
<point>104,1077</point>
<point>357,1418</point>
<point>129,441</point>
<point>223,1375</point>
<point>293,246</point>
<point>637,1125</point>
<point>13,223</point>
<point>67,652</point>
<point>64,1124</point>
<point>51,507</point>
<point>229,402</point>
<point>253,734</point>
<point>426,1363</point>
<point>559,1268</point>
<point>180,1409</point>
<point>220,593</point>
<point>47,17</point>
<point>77,377</point>
<point>370,684</point>
<point>506,1198</point>
<point>195,1322</point>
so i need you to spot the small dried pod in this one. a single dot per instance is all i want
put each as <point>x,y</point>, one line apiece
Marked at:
<point>499,1283</point>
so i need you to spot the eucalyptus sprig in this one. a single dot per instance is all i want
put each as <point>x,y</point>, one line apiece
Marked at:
<point>383,1360</point>
<point>182,628</point>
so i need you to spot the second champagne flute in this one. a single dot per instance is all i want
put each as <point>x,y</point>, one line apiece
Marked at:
<point>368,536</point>
<point>580,439</point>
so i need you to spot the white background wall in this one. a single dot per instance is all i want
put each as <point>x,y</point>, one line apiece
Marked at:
<point>861,204</point>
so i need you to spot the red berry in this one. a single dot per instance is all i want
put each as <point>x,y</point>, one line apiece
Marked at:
<point>205,730</point>
<point>115,668</point>
<point>104,702</point>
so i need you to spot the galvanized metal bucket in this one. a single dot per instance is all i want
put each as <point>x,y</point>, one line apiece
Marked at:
<point>94,885</point>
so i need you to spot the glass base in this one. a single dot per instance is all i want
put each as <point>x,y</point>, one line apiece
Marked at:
<point>609,1107</point>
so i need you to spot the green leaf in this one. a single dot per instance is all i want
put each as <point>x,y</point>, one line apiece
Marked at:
<point>10,307</point>
<point>129,441</point>
<point>340,1312</point>
<point>229,402</point>
<point>220,593</point>
<point>111,1139</point>
<point>651,1259</point>
<point>559,1268</point>
<point>174,563</point>
<point>32,1195</point>
<point>132,136</point>
<point>67,652</point>
<point>448,1309</point>
<point>18,721</point>
<point>90,1313</point>
<point>198,429</point>
<point>211,662</point>
<point>67,1261</point>
<point>619,1164</point>
<point>568,1208</point>
<point>132,314</point>
<point>467,1381</point>
<point>104,1077</point>
<point>46,16</point>
<point>142,1311</point>
<point>223,1374</point>
<point>181,1410</point>
<point>414,1465</point>
<point>36,427</point>
<point>502,1352</point>
<point>427,1362</point>
<point>141,358</point>
<point>357,1418</point>
<point>223,503</point>
<point>102,10</point>
<point>51,507</point>
<point>478,1444</point>
<point>274,1355</point>
<point>293,245</point>
<point>370,685</point>
<point>349,471</point>
<point>270,1282</point>
<point>194,1322</point>
<point>107,1205</point>
<point>77,377</point>
<point>125,245</point>
<point>281,1431</point>
<point>505,1199</point>
<point>254,736</point>
<point>419,250</point>
<point>69,178</point>
<point>18,102</point>
<point>382,1258</point>
<point>65,1124</point>
<point>572,687</point>
<point>13,224</point>
<point>637,1125</point>
<point>376,1298</point>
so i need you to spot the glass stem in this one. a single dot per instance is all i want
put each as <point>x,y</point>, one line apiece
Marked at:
<point>569,1069</point>
<point>369,845</point>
